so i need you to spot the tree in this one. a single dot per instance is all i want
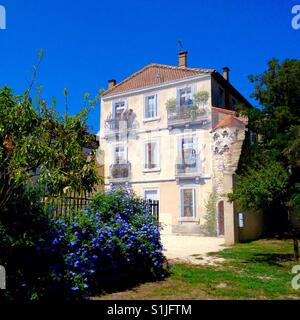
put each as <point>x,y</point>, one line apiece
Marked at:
<point>268,177</point>
<point>41,153</point>
<point>42,149</point>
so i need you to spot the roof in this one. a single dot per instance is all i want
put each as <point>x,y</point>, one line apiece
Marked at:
<point>225,111</point>
<point>228,86</point>
<point>229,121</point>
<point>154,74</point>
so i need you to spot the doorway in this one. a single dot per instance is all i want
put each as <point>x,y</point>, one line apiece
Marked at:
<point>221,218</point>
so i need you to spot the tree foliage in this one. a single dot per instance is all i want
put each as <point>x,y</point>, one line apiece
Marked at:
<point>269,171</point>
<point>41,153</point>
<point>40,147</point>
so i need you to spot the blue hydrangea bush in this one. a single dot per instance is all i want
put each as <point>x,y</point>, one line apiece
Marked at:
<point>112,244</point>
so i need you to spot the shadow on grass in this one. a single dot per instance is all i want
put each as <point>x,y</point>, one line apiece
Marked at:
<point>125,281</point>
<point>249,256</point>
<point>273,259</point>
<point>129,286</point>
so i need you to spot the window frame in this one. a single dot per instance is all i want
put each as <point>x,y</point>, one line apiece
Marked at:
<point>114,103</point>
<point>180,139</point>
<point>145,156</point>
<point>114,152</point>
<point>181,204</point>
<point>186,87</point>
<point>157,116</point>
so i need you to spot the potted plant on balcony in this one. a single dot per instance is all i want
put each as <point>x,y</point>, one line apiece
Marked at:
<point>171,106</point>
<point>200,100</point>
<point>193,112</point>
<point>124,172</point>
<point>201,111</point>
<point>115,171</point>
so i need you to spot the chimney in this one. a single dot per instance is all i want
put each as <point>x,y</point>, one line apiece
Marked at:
<point>182,59</point>
<point>226,73</point>
<point>111,83</point>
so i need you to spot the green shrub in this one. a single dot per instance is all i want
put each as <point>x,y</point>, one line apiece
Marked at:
<point>210,226</point>
<point>112,244</point>
<point>22,225</point>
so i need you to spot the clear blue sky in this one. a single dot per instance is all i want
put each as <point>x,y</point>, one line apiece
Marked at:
<point>88,42</point>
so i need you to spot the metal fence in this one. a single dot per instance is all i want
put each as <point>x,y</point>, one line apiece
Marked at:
<point>66,205</point>
<point>69,204</point>
<point>153,207</point>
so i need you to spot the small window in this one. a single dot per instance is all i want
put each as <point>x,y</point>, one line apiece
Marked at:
<point>185,97</point>
<point>152,155</point>
<point>151,107</point>
<point>119,108</point>
<point>118,115</point>
<point>253,138</point>
<point>188,209</point>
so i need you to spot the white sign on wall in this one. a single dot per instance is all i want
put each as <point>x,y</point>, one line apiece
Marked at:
<point>2,278</point>
<point>241,220</point>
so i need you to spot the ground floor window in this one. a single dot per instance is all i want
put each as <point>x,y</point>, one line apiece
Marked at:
<point>188,202</point>
<point>151,194</point>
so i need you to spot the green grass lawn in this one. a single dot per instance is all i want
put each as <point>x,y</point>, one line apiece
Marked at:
<point>257,270</point>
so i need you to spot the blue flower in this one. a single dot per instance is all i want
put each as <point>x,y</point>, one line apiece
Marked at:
<point>74,288</point>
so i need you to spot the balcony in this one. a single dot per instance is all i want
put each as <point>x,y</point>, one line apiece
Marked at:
<point>119,172</point>
<point>188,170</point>
<point>186,115</point>
<point>120,126</point>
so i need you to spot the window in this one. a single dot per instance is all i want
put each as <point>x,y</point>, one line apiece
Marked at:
<point>220,98</point>
<point>151,194</point>
<point>151,107</point>
<point>187,199</point>
<point>185,97</point>
<point>152,155</point>
<point>119,108</point>
<point>120,155</point>
<point>253,138</point>
<point>187,154</point>
<point>118,114</point>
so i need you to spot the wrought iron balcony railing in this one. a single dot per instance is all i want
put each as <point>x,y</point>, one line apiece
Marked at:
<point>116,125</point>
<point>182,115</point>
<point>123,123</point>
<point>188,169</point>
<point>120,172</point>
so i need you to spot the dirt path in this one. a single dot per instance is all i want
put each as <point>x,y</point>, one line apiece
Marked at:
<point>192,249</point>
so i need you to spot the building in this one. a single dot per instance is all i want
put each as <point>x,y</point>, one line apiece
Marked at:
<point>170,133</point>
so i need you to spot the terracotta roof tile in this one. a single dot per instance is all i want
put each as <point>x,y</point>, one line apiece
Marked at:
<point>225,111</point>
<point>154,74</point>
<point>229,121</point>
